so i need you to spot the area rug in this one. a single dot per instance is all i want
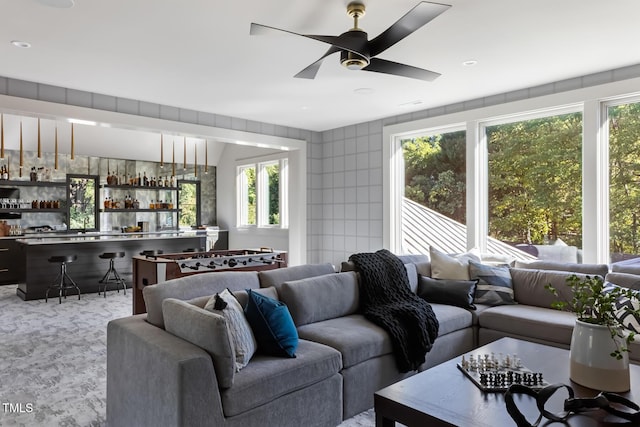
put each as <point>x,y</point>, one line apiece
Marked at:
<point>53,360</point>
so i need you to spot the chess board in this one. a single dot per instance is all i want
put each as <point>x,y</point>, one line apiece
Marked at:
<point>495,373</point>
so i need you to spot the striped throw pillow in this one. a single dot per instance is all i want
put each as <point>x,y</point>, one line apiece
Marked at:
<point>494,284</point>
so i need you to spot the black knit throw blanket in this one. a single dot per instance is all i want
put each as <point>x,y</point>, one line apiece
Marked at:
<point>387,301</point>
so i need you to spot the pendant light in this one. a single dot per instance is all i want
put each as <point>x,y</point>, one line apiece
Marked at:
<point>72,144</point>
<point>21,150</point>
<point>184,155</point>
<point>195,160</point>
<point>161,151</point>
<point>173,159</point>
<point>206,157</point>
<point>1,136</point>
<point>39,143</point>
<point>55,163</point>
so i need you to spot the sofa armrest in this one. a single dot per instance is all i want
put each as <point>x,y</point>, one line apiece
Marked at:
<point>157,379</point>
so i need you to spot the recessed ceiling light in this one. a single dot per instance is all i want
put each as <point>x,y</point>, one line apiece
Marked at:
<point>470,63</point>
<point>21,44</point>
<point>61,4</point>
<point>363,91</point>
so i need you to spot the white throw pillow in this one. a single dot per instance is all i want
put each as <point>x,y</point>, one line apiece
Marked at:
<point>454,267</point>
<point>239,329</point>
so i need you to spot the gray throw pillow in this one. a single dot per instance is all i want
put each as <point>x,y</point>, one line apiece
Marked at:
<point>452,292</point>
<point>495,286</point>
<point>205,329</point>
<point>244,343</point>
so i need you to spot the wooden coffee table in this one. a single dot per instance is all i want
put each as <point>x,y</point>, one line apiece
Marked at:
<point>445,396</point>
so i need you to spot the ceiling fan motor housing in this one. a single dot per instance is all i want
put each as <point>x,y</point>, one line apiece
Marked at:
<point>352,60</point>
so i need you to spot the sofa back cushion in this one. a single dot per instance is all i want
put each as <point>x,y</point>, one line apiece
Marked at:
<point>626,267</point>
<point>592,269</point>
<point>414,270</point>
<point>529,286</point>
<point>625,280</point>
<point>205,329</point>
<point>196,285</point>
<point>321,298</point>
<point>278,276</point>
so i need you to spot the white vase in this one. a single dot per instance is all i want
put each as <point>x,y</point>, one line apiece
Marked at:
<point>591,363</point>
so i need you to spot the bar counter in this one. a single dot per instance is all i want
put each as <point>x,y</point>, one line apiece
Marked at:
<point>31,253</point>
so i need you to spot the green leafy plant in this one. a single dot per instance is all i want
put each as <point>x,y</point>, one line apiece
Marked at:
<point>594,302</point>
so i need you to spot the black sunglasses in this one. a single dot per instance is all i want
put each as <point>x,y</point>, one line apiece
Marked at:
<point>610,402</point>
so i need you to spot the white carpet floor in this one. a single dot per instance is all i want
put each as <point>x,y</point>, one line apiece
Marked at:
<point>53,360</point>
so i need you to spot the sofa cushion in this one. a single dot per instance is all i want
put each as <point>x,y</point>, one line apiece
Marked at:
<point>443,291</point>
<point>529,286</point>
<point>559,253</point>
<point>356,338</point>
<point>205,329</point>
<point>267,378</point>
<point>626,280</point>
<point>196,285</point>
<point>272,325</point>
<point>631,266</point>
<point>445,266</point>
<point>244,343</point>
<point>535,322</point>
<point>593,269</point>
<point>278,276</point>
<point>451,318</point>
<point>494,283</point>
<point>411,268</point>
<point>322,297</point>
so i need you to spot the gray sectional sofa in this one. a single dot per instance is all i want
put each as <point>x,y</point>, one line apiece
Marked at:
<point>164,370</point>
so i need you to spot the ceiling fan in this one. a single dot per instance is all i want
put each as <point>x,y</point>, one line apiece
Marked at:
<point>357,52</point>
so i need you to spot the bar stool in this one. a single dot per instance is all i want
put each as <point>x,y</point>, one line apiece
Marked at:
<point>112,275</point>
<point>62,281</point>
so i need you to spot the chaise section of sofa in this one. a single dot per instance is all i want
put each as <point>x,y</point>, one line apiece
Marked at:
<point>155,378</point>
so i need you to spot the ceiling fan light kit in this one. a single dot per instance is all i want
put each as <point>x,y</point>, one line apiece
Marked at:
<point>357,52</point>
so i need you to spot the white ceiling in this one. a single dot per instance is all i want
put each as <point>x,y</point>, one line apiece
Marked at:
<point>197,54</point>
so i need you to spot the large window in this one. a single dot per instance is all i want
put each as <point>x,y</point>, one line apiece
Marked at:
<point>262,195</point>
<point>624,181</point>
<point>535,180</point>
<point>434,185</point>
<point>435,172</point>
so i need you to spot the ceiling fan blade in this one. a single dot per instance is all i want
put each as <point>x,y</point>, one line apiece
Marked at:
<point>389,67</point>
<point>343,43</point>
<point>410,22</point>
<point>311,71</point>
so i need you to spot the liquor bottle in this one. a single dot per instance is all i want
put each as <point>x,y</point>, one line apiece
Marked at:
<point>160,182</point>
<point>139,182</point>
<point>145,180</point>
<point>173,181</point>
<point>166,181</point>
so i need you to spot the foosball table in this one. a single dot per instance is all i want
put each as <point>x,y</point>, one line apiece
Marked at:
<point>151,268</point>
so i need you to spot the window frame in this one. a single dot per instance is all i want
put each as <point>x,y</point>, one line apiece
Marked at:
<point>594,159</point>
<point>260,165</point>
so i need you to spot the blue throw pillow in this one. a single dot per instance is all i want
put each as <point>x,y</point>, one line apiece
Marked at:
<point>495,286</point>
<point>272,325</point>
